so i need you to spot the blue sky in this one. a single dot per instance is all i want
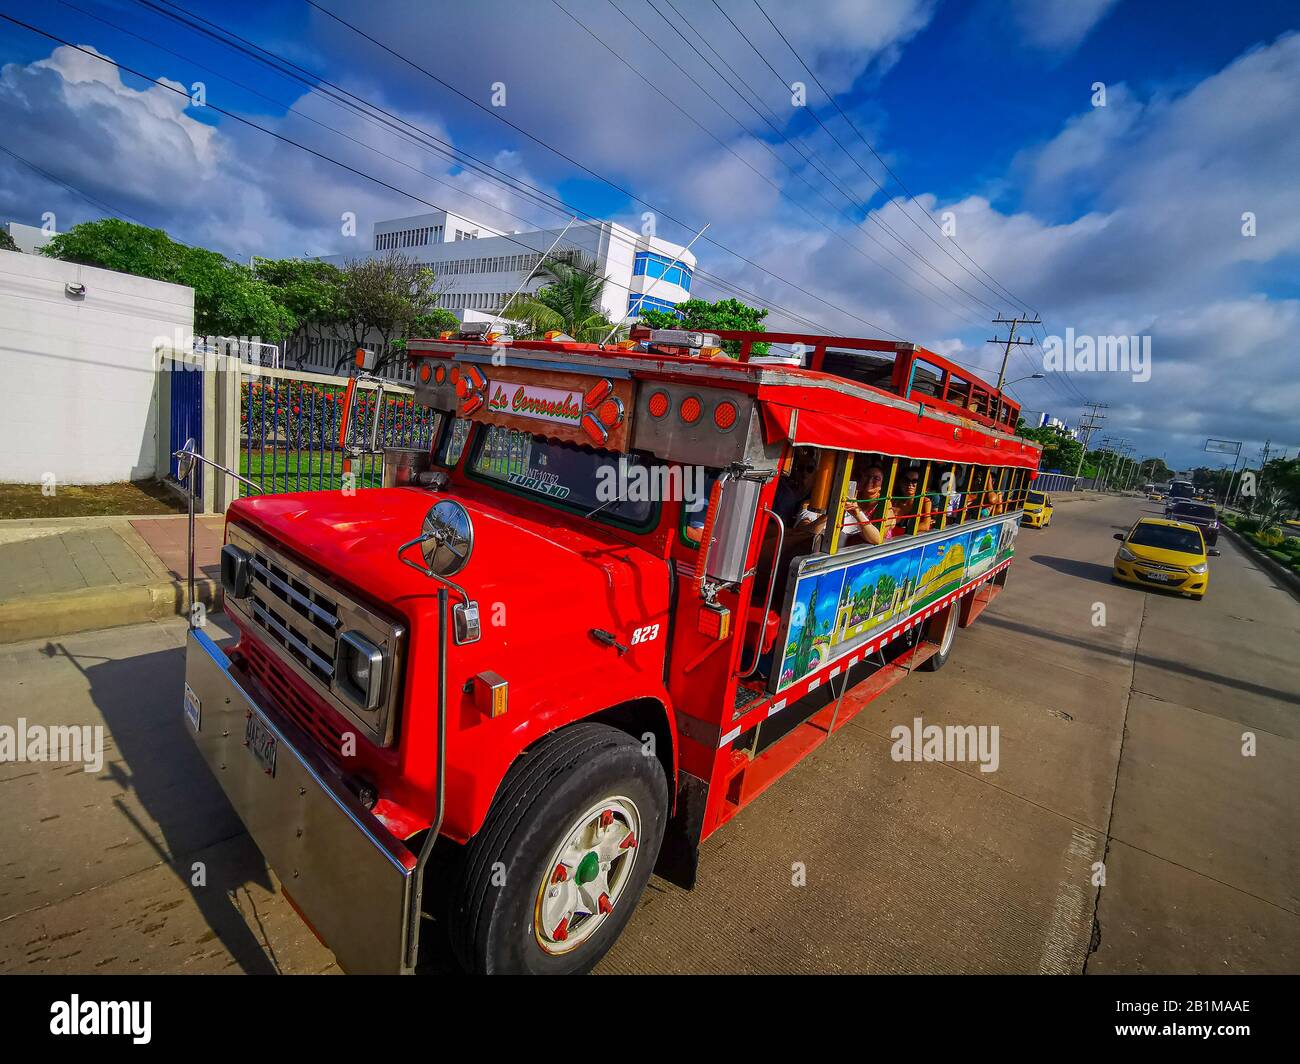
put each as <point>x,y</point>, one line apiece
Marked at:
<point>1117,220</point>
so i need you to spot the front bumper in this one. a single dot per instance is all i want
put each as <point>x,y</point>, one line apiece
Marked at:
<point>1033,519</point>
<point>350,879</point>
<point>1187,584</point>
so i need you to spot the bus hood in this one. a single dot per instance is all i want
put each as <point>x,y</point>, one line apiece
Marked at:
<point>354,538</point>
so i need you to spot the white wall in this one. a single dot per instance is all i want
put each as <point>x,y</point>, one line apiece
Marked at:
<point>79,377</point>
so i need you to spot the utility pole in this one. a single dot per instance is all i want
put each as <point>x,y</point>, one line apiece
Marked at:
<point>1102,474</point>
<point>1010,342</point>
<point>1087,423</point>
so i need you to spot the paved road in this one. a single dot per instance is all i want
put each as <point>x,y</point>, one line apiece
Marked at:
<point>1120,743</point>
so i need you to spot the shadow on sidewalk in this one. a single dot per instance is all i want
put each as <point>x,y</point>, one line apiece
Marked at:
<point>140,700</point>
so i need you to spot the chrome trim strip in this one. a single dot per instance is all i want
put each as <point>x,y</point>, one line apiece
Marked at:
<point>294,593</point>
<point>262,614</point>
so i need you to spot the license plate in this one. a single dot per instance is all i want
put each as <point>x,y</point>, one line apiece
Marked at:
<point>1164,578</point>
<point>259,739</point>
<point>192,707</point>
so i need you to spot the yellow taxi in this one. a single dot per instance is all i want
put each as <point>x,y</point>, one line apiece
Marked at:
<point>1171,555</point>
<point>1038,510</point>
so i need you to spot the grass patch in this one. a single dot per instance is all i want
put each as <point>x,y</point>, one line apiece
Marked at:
<point>278,472</point>
<point>129,499</point>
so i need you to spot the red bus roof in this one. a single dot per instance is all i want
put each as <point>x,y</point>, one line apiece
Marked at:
<point>914,402</point>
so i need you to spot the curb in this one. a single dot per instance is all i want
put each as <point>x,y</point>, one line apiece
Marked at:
<point>1279,572</point>
<point>66,612</point>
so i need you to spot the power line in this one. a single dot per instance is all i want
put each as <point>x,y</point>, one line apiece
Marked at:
<point>486,170</point>
<point>75,191</point>
<point>1001,289</point>
<point>759,140</point>
<point>494,112</point>
<point>253,125</point>
<point>853,159</point>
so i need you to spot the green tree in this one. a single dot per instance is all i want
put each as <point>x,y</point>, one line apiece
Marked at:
<point>704,316</point>
<point>384,295</point>
<point>427,325</point>
<point>310,290</point>
<point>1060,450</point>
<point>229,300</point>
<point>569,301</point>
<point>1283,474</point>
<point>7,242</point>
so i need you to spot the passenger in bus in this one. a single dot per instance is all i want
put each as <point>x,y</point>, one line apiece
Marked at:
<point>868,518</point>
<point>794,490</point>
<point>990,499</point>
<point>913,511</point>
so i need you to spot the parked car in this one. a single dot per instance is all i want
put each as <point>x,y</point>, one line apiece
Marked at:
<point>1164,554</point>
<point>1202,515</point>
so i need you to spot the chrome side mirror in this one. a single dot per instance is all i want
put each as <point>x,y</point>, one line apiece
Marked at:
<point>185,461</point>
<point>447,537</point>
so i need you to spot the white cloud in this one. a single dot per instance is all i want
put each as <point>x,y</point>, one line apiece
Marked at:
<point>1058,25</point>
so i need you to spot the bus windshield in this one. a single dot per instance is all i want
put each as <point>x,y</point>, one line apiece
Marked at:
<point>1181,489</point>
<point>581,479</point>
<point>1166,537</point>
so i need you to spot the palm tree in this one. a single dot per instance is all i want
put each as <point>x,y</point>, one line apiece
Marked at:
<point>568,301</point>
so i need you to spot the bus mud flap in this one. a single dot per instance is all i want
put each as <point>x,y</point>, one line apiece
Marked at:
<point>679,855</point>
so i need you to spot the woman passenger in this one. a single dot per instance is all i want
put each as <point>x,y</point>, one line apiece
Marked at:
<point>869,523</point>
<point>913,512</point>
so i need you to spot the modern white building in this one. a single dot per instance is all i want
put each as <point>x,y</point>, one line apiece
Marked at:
<point>479,267</point>
<point>29,238</point>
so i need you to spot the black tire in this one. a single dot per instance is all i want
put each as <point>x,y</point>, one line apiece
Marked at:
<point>492,922</point>
<point>947,637</point>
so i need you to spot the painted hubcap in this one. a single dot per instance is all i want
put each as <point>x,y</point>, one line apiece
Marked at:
<point>587,873</point>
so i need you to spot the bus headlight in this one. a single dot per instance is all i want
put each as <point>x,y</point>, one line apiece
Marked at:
<point>359,670</point>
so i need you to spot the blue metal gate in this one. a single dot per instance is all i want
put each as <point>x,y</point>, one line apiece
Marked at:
<point>186,407</point>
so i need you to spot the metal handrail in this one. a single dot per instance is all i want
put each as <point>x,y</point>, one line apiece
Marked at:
<point>191,456</point>
<point>771,587</point>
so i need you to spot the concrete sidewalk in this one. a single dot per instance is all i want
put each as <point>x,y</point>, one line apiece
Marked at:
<point>63,575</point>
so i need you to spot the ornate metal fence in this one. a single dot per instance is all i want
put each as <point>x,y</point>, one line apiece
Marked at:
<point>289,429</point>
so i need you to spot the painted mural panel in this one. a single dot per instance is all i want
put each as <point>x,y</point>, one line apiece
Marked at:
<point>837,608</point>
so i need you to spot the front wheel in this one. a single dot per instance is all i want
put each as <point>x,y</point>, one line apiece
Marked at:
<point>550,881</point>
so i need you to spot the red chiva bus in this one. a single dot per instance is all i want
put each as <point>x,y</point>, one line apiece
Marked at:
<point>627,588</point>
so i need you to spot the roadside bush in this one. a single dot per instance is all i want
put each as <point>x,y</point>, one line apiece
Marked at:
<point>1272,538</point>
<point>1247,524</point>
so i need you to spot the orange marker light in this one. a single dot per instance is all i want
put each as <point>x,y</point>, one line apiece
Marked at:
<point>658,404</point>
<point>596,393</point>
<point>724,415</point>
<point>690,410</point>
<point>610,413</point>
<point>426,373</point>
